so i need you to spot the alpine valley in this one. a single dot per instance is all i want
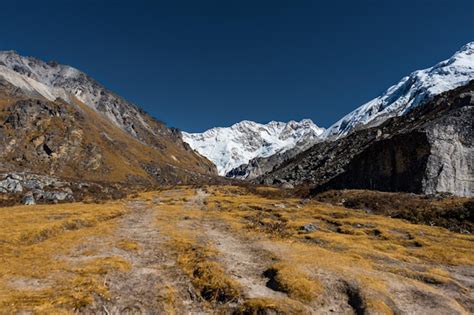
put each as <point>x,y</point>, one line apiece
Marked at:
<point>106,210</point>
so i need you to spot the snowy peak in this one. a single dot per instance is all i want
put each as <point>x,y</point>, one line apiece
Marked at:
<point>419,87</point>
<point>230,147</point>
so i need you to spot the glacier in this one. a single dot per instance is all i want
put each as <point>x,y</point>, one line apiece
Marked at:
<point>230,147</point>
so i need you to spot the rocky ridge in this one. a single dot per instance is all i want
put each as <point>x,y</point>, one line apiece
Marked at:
<point>51,80</point>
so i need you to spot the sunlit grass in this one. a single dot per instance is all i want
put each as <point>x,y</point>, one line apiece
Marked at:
<point>37,268</point>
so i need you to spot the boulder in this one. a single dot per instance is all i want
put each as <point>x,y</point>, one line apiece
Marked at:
<point>308,228</point>
<point>28,199</point>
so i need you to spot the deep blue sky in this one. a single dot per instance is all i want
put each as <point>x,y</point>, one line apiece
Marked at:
<point>199,64</point>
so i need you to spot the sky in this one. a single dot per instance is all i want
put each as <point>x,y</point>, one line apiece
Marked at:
<point>201,64</point>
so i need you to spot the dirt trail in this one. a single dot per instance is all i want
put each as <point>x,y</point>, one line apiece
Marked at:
<point>154,285</point>
<point>243,262</point>
<point>246,260</point>
<point>146,260</point>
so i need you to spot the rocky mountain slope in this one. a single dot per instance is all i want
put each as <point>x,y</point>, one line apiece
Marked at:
<point>57,121</point>
<point>428,150</point>
<point>411,91</point>
<point>233,146</point>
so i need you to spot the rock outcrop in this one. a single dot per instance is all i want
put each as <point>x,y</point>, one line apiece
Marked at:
<point>34,187</point>
<point>30,188</point>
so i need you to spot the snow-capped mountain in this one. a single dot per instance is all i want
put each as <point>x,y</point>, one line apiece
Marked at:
<point>233,146</point>
<point>411,91</point>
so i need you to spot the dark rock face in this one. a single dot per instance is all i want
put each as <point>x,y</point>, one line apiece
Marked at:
<point>396,164</point>
<point>258,166</point>
<point>429,150</point>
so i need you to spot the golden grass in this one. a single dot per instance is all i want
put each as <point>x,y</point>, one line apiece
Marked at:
<point>170,300</point>
<point>359,233</point>
<point>292,281</point>
<point>450,212</point>
<point>270,306</point>
<point>349,243</point>
<point>128,245</point>
<point>378,306</point>
<point>207,276</point>
<point>38,269</point>
<point>369,251</point>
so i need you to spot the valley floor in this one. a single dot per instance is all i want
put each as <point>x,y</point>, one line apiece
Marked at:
<point>226,250</point>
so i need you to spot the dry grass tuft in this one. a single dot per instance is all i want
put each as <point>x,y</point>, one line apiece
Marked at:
<point>261,306</point>
<point>206,275</point>
<point>288,279</point>
<point>128,245</point>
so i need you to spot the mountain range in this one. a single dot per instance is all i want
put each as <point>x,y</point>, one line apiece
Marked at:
<point>414,90</point>
<point>233,146</point>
